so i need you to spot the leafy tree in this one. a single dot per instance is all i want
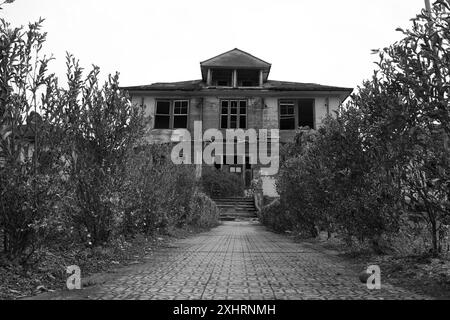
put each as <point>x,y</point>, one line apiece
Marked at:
<point>97,126</point>
<point>27,188</point>
<point>406,115</point>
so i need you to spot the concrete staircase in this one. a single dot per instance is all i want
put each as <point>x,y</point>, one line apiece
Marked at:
<point>236,208</point>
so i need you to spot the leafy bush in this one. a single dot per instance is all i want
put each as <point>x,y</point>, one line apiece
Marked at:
<point>218,183</point>
<point>71,170</point>
<point>203,212</point>
<point>276,217</point>
<point>100,126</point>
<point>27,190</point>
<point>158,193</point>
<point>330,183</point>
<point>384,160</point>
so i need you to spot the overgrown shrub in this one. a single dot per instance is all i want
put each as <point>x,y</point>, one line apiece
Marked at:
<point>385,159</point>
<point>203,212</point>
<point>277,217</point>
<point>218,183</point>
<point>27,189</point>
<point>73,168</point>
<point>100,126</point>
<point>158,193</point>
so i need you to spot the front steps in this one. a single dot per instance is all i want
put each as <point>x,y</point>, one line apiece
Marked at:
<point>236,208</point>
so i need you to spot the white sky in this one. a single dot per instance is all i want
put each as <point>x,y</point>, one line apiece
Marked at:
<point>321,41</point>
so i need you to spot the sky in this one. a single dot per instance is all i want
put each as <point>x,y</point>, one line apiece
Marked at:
<point>320,41</point>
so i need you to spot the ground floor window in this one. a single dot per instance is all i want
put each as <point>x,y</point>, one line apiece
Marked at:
<point>235,169</point>
<point>171,114</point>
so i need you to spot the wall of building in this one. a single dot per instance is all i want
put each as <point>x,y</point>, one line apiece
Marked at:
<point>262,113</point>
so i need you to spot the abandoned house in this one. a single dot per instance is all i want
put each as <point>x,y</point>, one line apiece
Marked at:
<point>235,93</point>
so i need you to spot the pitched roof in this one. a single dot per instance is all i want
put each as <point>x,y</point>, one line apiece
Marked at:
<point>193,85</point>
<point>270,85</point>
<point>299,86</point>
<point>236,58</point>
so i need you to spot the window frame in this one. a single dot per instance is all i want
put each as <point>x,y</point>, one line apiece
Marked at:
<point>296,111</point>
<point>172,114</point>
<point>180,114</point>
<point>229,114</point>
<point>286,102</point>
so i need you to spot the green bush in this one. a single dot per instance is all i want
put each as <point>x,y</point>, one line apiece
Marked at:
<point>218,183</point>
<point>203,212</point>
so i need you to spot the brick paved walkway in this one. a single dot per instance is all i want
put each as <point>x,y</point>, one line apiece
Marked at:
<point>241,260</point>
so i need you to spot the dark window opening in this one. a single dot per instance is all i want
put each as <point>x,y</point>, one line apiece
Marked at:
<point>306,113</point>
<point>163,107</point>
<point>162,117</point>
<point>222,77</point>
<point>233,114</point>
<point>287,115</point>
<point>162,122</point>
<point>248,78</point>
<point>171,114</point>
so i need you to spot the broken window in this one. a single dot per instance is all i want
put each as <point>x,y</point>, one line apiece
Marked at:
<point>171,114</point>
<point>248,78</point>
<point>306,113</point>
<point>233,114</point>
<point>222,77</point>
<point>297,113</point>
<point>287,115</point>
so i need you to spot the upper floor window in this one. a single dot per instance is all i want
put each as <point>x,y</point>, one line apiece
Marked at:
<point>248,78</point>
<point>171,114</point>
<point>297,113</point>
<point>306,113</point>
<point>287,115</point>
<point>233,114</point>
<point>222,77</point>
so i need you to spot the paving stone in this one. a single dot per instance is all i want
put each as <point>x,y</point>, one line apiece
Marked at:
<point>243,261</point>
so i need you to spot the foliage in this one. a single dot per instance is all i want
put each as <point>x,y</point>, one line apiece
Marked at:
<point>277,217</point>
<point>405,107</point>
<point>74,169</point>
<point>203,212</point>
<point>218,183</point>
<point>387,152</point>
<point>331,185</point>
<point>158,193</point>
<point>27,188</point>
<point>97,126</point>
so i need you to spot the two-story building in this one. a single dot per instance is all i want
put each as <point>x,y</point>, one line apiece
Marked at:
<point>235,93</point>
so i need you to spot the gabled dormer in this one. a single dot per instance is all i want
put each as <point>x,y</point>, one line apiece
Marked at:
<point>234,69</point>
